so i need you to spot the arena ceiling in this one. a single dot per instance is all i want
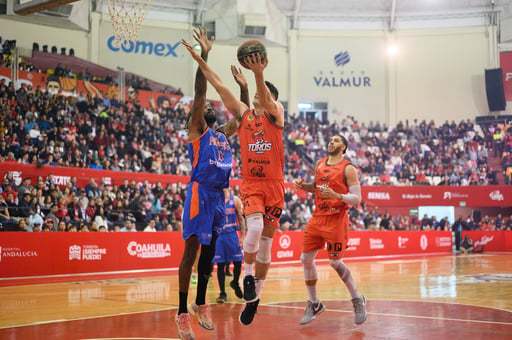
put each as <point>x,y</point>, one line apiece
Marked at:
<point>362,10</point>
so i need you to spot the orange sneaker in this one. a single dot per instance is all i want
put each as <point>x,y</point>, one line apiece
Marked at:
<point>203,315</point>
<point>185,332</point>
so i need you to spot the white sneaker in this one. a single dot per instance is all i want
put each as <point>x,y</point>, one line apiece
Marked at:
<point>312,310</point>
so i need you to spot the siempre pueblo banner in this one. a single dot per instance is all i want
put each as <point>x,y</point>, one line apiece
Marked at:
<point>24,255</point>
<point>506,66</point>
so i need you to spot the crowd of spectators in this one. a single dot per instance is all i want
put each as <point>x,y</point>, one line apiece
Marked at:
<point>41,127</point>
<point>132,206</point>
<point>46,206</point>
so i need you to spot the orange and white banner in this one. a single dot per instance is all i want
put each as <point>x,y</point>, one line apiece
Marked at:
<point>25,255</point>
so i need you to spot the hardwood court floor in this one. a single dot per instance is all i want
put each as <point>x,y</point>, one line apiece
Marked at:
<point>434,297</point>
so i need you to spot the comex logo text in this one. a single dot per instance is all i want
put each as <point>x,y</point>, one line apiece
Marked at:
<point>145,47</point>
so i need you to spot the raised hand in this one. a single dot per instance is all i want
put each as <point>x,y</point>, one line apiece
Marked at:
<point>255,64</point>
<point>201,36</point>
<point>191,49</point>
<point>239,77</point>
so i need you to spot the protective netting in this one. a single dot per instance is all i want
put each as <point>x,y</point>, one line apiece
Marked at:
<point>127,17</point>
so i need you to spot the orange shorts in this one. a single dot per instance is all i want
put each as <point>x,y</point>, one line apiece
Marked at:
<point>330,229</point>
<point>265,196</point>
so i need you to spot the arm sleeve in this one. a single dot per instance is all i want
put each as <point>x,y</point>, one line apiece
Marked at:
<point>354,195</point>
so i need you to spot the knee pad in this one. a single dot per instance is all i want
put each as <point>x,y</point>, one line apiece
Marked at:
<point>308,263</point>
<point>254,230</point>
<point>341,269</point>
<point>265,252</point>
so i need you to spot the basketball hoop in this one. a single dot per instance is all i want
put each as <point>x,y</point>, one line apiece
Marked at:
<point>127,17</point>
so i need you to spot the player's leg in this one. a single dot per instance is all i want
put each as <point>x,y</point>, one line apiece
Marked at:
<point>200,308</point>
<point>228,273</point>
<point>337,243</point>
<point>237,269</point>
<point>264,257</point>
<point>311,243</point>
<point>185,271</point>
<point>220,259</point>
<point>194,268</point>
<point>274,203</point>
<point>213,220</point>
<point>221,277</point>
<point>251,247</point>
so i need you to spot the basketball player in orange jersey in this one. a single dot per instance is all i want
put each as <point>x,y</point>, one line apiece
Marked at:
<point>335,186</point>
<point>261,140</point>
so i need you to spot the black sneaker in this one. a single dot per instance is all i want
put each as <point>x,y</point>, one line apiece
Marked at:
<point>248,313</point>
<point>249,288</point>
<point>236,287</point>
<point>228,273</point>
<point>222,298</point>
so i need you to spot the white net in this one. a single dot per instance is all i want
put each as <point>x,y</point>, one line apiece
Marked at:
<point>127,17</point>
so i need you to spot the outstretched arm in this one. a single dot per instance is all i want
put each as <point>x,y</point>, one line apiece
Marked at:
<point>242,82</point>
<point>197,124</point>
<point>235,106</point>
<point>271,106</point>
<point>232,125</point>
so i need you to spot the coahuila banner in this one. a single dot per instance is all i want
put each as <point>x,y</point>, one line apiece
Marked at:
<point>25,255</point>
<point>506,66</point>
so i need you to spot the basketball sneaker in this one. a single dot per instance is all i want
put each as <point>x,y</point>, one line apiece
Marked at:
<point>312,310</point>
<point>249,288</point>
<point>359,309</point>
<point>248,313</point>
<point>222,298</point>
<point>202,313</point>
<point>185,332</point>
<point>236,287</point>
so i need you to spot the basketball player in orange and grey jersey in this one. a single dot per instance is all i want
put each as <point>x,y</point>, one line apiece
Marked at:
<point>261,142</point>
<point>336,185</point>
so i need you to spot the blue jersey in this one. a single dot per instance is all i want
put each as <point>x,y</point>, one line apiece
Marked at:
<point>231,216</point>
<point>227,248</point>
<point>211,159</point>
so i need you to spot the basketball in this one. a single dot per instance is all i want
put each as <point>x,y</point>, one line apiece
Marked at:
<point>251,47</point>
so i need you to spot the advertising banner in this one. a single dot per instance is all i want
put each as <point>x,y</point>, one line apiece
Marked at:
<point>64,253</point>
<point>57,253</point>
<point>382,196</point>
<point>490,240</point>
<point>506,66</point>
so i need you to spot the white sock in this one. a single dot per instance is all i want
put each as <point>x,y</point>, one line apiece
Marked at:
<point>259,286</point>
<point>313,297</point>
<point>248,268</point>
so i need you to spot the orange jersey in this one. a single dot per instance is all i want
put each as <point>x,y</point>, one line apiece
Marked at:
<point>261,142</point>
<point>333,176</point>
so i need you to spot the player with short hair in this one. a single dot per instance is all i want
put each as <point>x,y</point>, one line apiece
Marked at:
<point>261,141</point>
<point>336,186</point>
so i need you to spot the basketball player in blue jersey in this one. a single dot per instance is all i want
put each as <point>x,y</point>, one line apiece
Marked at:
<point>204,210</point>
<point>229,247</point>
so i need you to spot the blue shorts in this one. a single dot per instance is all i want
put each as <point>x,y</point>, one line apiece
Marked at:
<point>227,249</point>
<point>204,212</point>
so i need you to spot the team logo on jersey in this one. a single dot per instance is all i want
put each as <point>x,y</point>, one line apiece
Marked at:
<point>260,145</point>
